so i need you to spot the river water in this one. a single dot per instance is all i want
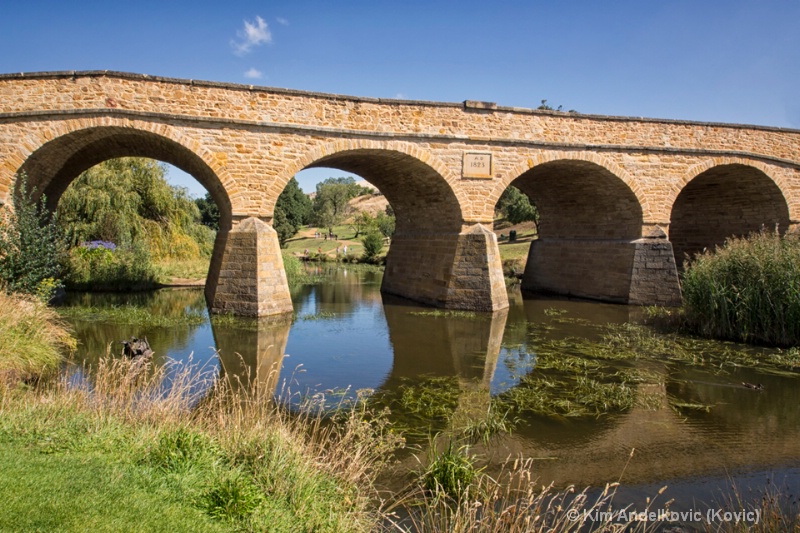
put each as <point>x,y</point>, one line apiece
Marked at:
<point>694,427</point>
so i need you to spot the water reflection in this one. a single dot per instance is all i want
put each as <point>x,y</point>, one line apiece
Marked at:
<point>697,421</point>
<point>466,347</point>
<point>251,352</point>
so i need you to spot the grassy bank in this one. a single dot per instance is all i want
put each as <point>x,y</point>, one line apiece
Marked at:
<point>132,457</point>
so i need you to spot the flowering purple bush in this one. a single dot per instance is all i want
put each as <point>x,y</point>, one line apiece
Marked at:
<point>93,245</point>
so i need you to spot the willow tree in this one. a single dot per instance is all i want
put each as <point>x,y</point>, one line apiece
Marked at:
<point>128,201</point>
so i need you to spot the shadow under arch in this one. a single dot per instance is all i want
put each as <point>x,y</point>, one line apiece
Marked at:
<point>433,259</point>
<point>723,201</point>
<point>53,166</point>
<point>590,233</point>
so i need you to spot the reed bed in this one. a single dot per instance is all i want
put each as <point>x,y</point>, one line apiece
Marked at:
<point>746,290</point>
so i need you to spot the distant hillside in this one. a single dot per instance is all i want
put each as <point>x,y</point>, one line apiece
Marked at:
<point>370,203</point>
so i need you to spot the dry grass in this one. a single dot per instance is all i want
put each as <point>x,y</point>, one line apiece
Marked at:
<point>513,503</point>
<point>33,338</point>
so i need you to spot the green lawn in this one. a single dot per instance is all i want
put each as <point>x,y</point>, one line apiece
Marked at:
<point>43,490</point>
<point>305,240</point>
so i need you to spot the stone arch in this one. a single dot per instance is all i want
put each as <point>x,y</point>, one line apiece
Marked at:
<point>589,241</point>
<point>722,198</point>
<point>579,195</point>
<point>74,146</point>
<point>420,188</point>
<point>605,165</point>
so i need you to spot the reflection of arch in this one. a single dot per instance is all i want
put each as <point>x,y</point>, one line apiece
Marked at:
<point>419,187</point>
<point>81,144</point>
<point>723,200</point>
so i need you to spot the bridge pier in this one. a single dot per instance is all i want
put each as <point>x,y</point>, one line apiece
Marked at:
<point>640,271</point>
<point>449,270</point>
<point>246,276</point>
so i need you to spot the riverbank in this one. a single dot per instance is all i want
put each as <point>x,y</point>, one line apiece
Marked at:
<point>123,454</point>
<point>224,462</point>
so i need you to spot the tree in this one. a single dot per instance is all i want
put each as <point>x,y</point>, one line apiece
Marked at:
<point>547,107</point>
<point>516,206</point>
<point>128,201</point>
<point>330,203</point>
<point>209,212</point>
<point>292,211</point>
<point>31,246</point>
<point>386,224</point>
<point>362,223</point>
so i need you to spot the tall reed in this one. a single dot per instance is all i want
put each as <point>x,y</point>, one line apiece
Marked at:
<point>33,338</point>
<point>746,290</point>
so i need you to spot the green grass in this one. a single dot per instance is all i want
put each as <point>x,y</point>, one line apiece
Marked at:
<point>302,241</point>
<point>77,491</point>
<point>134,315</point>
<point>451,472</point>
<point>129,456</point>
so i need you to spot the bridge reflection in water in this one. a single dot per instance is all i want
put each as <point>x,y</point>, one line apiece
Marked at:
<point>347,334</point>
<point>740,429</point>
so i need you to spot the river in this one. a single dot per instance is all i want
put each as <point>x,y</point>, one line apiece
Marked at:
<point>692,425</point>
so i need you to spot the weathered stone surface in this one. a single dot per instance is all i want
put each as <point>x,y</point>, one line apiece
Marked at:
<point>251,279</point>
<point>594,178</point>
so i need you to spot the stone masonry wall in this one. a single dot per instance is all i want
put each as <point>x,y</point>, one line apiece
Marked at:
<point>244,143</point>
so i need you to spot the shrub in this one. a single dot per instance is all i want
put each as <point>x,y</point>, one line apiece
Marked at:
<point>103,268</point>
<point>747,290</point>
<point>31,246</point>
<point>373,246</point>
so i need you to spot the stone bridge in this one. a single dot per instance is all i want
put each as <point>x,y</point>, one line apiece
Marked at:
<point>622,200</point>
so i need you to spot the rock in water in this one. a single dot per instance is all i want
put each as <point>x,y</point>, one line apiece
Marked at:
<point>136,348</point>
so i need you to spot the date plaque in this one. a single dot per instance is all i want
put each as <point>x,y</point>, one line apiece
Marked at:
<point>477,165</point>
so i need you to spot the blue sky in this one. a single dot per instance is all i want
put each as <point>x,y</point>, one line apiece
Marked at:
<point>710,60</point>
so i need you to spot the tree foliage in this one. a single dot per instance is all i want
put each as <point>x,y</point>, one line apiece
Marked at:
<point>386,224</point>
<point>31,245</point>
<point>544,106</point>
<point>209,212</point>
<point>362,222</point>
<point>292,211</point>
<point>515,206</point>
<point>373,245</point>
<point>127,201</point>
<point>330,203</point>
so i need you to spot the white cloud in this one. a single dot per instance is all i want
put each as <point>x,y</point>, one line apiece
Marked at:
<point>254,34</point>
<point>401,96</point>
<point>254,74</point>
<point>282,21</point>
